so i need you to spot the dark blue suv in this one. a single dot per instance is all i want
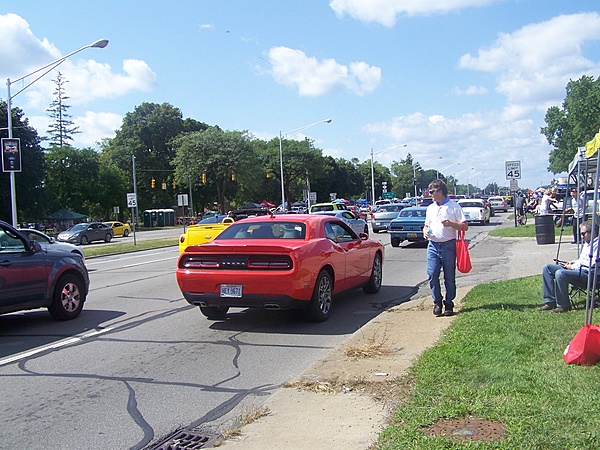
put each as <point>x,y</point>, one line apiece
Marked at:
<point>31,277</point>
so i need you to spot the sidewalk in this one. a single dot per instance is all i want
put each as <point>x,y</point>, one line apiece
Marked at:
<point>303,419</point>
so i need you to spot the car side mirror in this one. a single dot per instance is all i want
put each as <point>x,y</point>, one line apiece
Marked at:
<point>363,236</point>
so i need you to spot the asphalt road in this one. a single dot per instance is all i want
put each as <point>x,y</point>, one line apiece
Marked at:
<point>140,362</point>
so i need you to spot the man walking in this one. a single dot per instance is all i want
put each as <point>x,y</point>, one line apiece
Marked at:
<point>443,219</point>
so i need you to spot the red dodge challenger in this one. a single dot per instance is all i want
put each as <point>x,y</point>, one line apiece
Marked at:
<point>289,261</point>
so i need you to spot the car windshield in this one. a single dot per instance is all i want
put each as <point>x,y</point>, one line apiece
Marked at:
<point>78,227</point>
<point>412,213</point>
<point>264,230</point>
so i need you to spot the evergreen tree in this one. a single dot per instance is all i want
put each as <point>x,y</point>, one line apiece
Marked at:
<point>62,127</point>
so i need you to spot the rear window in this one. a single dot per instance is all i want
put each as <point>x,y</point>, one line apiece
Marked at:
<point>264,230</point>
<point>321,208</point>
<point>471,204</point>
<point>412,213</point>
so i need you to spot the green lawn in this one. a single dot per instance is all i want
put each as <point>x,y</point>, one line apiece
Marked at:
<point>501,360</point>
<point>126,247</point>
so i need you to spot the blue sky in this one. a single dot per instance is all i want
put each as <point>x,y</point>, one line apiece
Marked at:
<point>467,80</point>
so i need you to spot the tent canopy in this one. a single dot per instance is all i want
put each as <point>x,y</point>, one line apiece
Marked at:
<point>64,214</point>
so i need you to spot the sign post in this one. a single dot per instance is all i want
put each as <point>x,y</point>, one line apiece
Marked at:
<point>132,203</point>
<point>513,173</point>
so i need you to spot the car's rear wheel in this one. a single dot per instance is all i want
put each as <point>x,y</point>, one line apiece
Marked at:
<point>319,307</point>
<point>214,312</point>
<point>83,240</point>
<point>374,284</point>
<point>68,298</point>
<point>108,237</point>
<point>395,242</point>
<point>125,233</point>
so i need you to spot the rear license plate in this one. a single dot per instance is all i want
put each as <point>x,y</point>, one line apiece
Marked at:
<point>412,235</point>
<point>231,290</point>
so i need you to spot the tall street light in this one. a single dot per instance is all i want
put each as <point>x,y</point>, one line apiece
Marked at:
<point>291,133</point>
<point>415,170</point>
<point>472,175</point>
<point>47,68</point>
<point>373,170</point>
<point>447,167</point>
<point>457,174</point>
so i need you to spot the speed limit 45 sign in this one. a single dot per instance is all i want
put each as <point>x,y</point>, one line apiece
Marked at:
<point>513,170</point>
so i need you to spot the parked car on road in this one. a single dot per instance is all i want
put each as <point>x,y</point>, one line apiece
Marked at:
<point>408,226</point>
<point>321,207</point>
<point>498,204</point>
<point>475,210</point>
<point>292,261</point>
<point>384,215</point>
<point>32,277</point>
<point>356,223</point>
<point>49,243</point>
<point>119,228</point>
<point>84,233</point>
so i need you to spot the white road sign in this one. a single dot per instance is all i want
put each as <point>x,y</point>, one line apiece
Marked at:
<point>131,200</point>
<point>513,170</point>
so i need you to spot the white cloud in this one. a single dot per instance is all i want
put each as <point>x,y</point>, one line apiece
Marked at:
<point>314,78</point>
<point>385,12</point>
<point>535,63</point>
<point>207,26</point>
<point>87,80</point>
<point>469,91</point>
<point>94,127</point>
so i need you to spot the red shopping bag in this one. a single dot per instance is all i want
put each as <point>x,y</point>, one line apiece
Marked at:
<point>463,260</point>
<point>584,349</point>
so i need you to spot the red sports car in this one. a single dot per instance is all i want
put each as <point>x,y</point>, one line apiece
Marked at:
<point>291,261</point>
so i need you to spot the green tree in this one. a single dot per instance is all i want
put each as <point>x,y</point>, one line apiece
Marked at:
<point>29,189</point>
<point>146,134</point>
<point>574,124</point>
<point>62,128</point>
<point>214,155</point>
<point>403,175</point>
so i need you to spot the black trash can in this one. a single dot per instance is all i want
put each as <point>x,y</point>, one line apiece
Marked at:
<point>544,229</point>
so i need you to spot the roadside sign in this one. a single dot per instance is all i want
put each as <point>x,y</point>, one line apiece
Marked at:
<point>514,185</point>
<point>182,200</point>
<point>312,196</point>
<point>388,195</point>
<point>513,170</point>
<point>131,200</point>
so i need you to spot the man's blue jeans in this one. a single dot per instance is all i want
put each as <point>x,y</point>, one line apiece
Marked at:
<point>442,255</point>
<point>555,283</point>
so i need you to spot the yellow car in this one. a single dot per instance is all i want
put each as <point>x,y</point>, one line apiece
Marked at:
<point>204,231</point>
<point>120,228</point>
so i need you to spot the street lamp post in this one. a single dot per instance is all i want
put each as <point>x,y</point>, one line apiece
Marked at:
<point>373,170</point>
<point>415,170</point>
<point>447,167</point>
<point>51,66</point>
<point>457,174</point>
<point>281,135</point>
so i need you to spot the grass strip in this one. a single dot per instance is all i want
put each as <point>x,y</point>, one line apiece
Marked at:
<point>127,247</point>
<point>501,360</point>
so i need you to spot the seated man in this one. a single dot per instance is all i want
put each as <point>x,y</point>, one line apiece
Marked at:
<point>557,278</point>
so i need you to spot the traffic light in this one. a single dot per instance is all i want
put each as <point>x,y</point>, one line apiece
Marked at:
<point>153,183</point>
<point>203,178</point>
<point>233,176</point>
<point>174,184</point>
<point>164,186</point>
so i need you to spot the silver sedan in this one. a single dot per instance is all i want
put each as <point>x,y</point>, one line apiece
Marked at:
<point>356,223</point>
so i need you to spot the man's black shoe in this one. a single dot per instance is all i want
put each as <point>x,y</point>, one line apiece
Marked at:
<point>449,312</point>
<point>437,310</point>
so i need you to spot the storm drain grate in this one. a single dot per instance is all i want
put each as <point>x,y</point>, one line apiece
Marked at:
<point>186,440</point>
<point>470,429</point>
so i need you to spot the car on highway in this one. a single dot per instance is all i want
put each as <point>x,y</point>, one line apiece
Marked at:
<point>498,203</point>
<point>408,226</point>
<point>384,215</point>
<point>475,210</point>
<point>204,231</point>
<point>49,243</point>
<point>32,277</point>
<point>86,232</point>
<point>119,228</point>
<point>356,223</point>
<point>294,261</point>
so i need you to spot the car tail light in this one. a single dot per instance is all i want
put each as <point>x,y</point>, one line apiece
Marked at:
<point>199,262</point>
<point>224,262</point>
<point>270,262</point>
